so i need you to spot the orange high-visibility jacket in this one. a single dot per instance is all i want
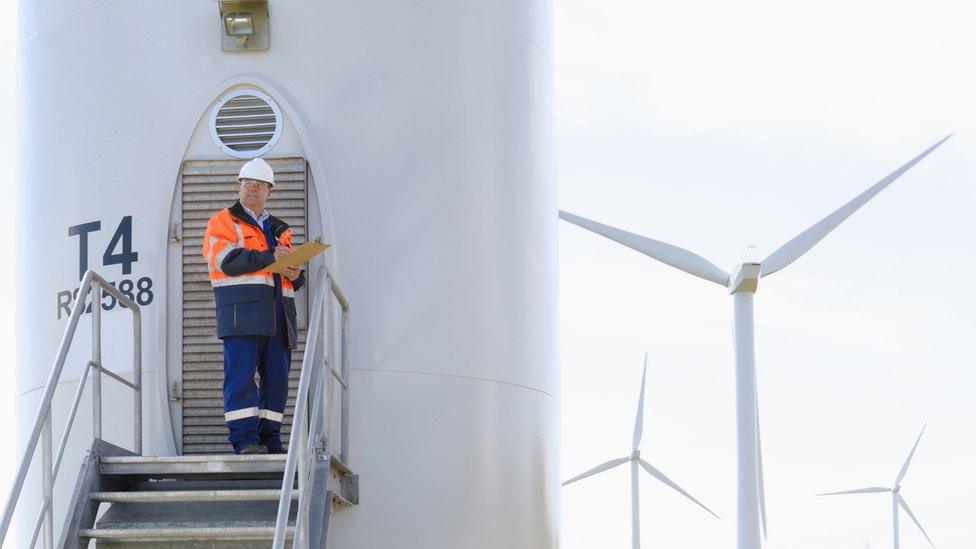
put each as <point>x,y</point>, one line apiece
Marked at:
<point>237,252</point>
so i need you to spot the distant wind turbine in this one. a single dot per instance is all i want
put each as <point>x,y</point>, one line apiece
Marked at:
<point>896,497</point>
<point>635,459</point>
<point>742,284</point>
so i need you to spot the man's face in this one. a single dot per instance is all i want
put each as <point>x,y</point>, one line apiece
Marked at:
<point>254,194</point>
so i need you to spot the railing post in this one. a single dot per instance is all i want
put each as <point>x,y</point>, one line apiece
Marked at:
<point>299,428</point>
<point>301,526</point>
<point>330,444</point>
<point>137,377</point>
<point>344,401</point>
<point>48,482</point>
<point>96,297</point>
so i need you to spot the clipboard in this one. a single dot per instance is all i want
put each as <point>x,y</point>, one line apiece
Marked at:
<point>299,255</point>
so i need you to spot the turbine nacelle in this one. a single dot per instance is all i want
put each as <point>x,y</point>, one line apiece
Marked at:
<point>635,455</point>
<point>745,278</point>
<point>896,489</point>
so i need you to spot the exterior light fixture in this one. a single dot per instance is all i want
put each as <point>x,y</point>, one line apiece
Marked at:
<point>245,25</point>
<point>240,25</point>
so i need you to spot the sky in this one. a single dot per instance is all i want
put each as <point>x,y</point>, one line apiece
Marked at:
<point>715,126</point>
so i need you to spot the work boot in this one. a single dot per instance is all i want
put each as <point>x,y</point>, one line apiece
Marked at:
<point>253,449</point>
<point>278,450</point>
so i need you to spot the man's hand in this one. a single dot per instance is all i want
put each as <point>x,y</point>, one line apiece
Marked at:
<point>281,251</point>
<point>291,272</point>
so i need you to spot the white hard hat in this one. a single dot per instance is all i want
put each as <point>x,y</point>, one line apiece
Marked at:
<point>257,169</point>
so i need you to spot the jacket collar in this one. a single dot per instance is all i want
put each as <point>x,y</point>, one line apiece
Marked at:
<point>278,226</point>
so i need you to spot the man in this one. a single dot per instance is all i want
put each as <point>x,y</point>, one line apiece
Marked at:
<point>255,311</point>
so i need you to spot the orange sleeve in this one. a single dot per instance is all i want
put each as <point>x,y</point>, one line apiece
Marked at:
<point>219,239</point>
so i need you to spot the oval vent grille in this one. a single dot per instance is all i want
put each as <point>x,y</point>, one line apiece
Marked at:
<point>245,123</point>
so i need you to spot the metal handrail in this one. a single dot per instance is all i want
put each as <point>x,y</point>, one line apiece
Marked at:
<point>302,456</point>
<point>91,285</point>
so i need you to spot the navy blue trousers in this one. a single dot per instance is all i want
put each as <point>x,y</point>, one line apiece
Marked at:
<point>254,412</point>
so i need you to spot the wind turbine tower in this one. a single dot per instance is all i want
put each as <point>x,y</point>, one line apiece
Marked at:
<point>896,498</point>
<point>742,283</point>
<point>636,461</point>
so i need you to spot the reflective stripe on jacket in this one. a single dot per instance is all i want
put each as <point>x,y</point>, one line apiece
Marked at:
<point>237,252</point>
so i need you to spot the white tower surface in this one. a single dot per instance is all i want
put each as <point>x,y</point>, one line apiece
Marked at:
<point>426,127</point>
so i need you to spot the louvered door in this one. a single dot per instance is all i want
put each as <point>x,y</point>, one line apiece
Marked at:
<point>207,187</point>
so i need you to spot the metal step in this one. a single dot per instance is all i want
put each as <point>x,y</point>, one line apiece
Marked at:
<point>236,533</point>
<point>188,495</point>
<point>170,485</point>
<point>199,501</point>
<point>188,524</point>
<point>201,464</point>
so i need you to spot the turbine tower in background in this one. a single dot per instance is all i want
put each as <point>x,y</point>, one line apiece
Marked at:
<point>742,284</point>
<point>896,497</point>
<point>635,460</point>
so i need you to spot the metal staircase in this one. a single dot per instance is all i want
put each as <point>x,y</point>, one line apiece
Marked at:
<point>216,501</point>
<point>124,499</point>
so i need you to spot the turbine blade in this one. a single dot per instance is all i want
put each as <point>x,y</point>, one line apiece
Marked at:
<point>639,421</point>
<point>904,505</point>
<point>598,469</point>
<point>803,242</point>
<point>904,468</point>
<point>871,490</point>
<point>679,258</point>
<point>661,476</point>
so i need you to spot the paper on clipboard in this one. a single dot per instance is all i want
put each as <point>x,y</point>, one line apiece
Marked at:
<point>299,255</point>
